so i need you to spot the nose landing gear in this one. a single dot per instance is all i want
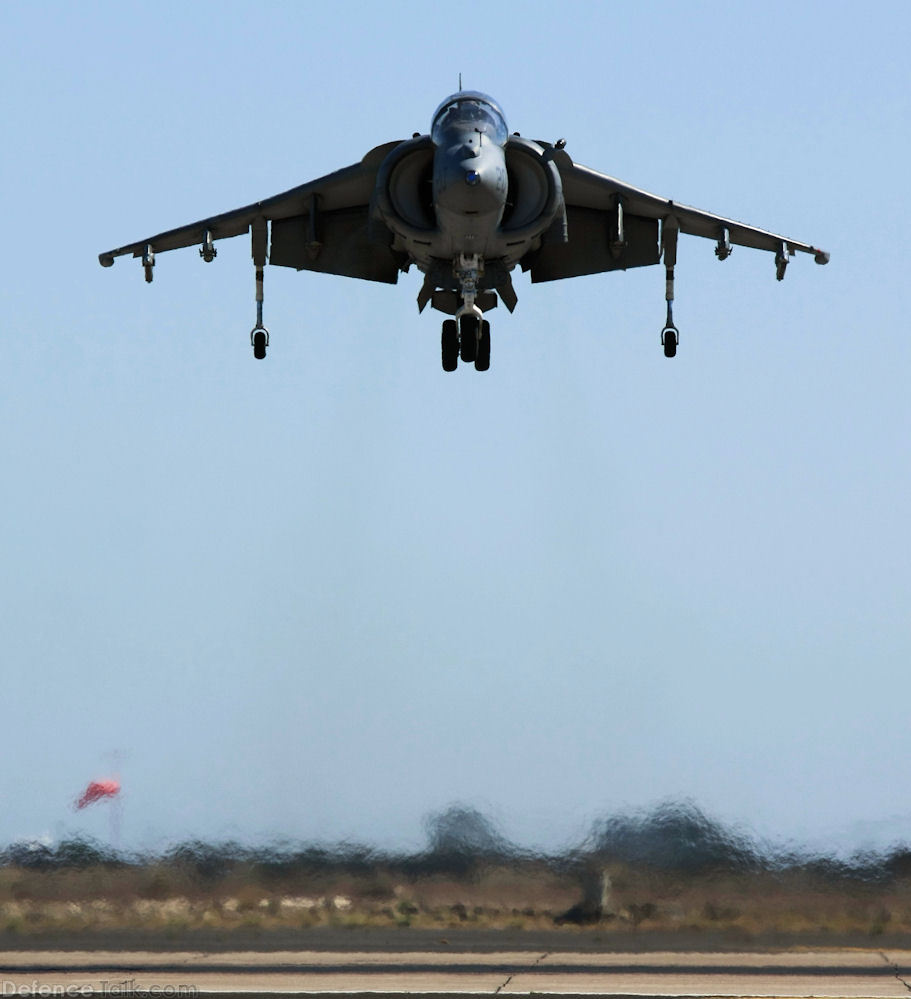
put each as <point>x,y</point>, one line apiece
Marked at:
<point>468,339</point>
<point>468,335</point>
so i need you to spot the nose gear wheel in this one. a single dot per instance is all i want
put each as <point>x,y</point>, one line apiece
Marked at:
<point>469,333</point>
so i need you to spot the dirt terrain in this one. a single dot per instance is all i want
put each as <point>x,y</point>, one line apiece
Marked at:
<point>613,905</point>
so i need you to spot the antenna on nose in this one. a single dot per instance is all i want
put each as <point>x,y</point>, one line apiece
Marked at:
<point>460,82</point>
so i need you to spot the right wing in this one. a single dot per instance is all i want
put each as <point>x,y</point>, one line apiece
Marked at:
<point>320,226</point>
<point>595,244</point>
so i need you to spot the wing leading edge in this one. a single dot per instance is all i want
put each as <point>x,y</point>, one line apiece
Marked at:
<point>322,225</point>
<point>626,219</point>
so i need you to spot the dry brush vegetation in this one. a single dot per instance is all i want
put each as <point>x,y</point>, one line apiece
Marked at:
<point>672,871</point>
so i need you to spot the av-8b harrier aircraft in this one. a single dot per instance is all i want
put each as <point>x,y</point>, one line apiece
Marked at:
<point>465,204</point>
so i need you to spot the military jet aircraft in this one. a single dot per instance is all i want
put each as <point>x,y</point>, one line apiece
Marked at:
<point>465,204</point>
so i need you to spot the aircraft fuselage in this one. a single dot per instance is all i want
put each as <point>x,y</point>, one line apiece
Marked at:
<point>469,178</point>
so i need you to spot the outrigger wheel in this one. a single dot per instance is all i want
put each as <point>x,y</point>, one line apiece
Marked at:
<point>260,340</point>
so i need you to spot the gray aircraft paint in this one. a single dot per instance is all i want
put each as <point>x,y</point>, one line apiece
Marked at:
<point>466,204</point>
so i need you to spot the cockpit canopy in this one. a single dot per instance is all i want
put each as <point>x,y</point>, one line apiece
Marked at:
<point>468,109</point>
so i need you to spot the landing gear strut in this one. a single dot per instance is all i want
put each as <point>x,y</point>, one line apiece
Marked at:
<point>467,270</point>
<point>670,335</point>
<point>468,335</point>
<point>259,335</point>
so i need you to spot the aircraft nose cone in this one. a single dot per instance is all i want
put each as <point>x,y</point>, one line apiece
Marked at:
<point>470,185</point>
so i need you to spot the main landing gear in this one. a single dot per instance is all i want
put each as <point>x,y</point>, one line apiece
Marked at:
<point>469,338</point>
<point>468,335</point>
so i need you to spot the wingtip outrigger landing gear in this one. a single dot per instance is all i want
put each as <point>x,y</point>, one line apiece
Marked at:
<point>670,335</point>
<point>148,263</point>
<point>207,251</point>
<point>259,335</point>
<point>782,257</point>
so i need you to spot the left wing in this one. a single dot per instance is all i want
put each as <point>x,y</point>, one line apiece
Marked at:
<point>612,225</point>
<point>320,226</point>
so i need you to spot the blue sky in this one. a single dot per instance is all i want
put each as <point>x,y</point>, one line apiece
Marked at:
<point>324,595</point>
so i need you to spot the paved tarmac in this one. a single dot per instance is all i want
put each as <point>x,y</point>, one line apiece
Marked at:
<point>849,973</point>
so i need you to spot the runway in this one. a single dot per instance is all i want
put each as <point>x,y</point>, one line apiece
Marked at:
<point>849,973</point>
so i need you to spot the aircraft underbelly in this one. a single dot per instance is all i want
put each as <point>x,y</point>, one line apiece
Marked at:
<point>467,234</point>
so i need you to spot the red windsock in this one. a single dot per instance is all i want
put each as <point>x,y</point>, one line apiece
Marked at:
<point>97,789</point>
